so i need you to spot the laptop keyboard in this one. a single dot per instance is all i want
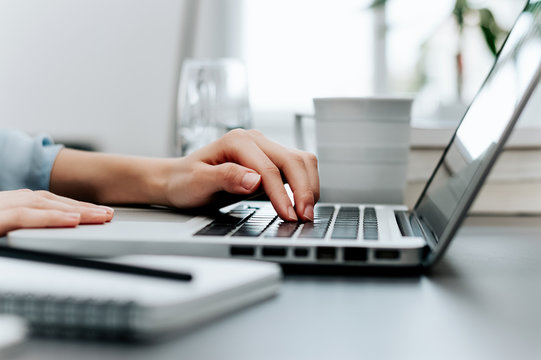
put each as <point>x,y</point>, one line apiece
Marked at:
<point>342,224</point>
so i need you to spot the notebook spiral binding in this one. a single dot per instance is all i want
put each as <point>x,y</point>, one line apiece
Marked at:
<point>70,317</point>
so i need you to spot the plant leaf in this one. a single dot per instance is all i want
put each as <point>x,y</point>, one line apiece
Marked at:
<point>490,28</point>
<point>460,9</point>
<point>377,3</point>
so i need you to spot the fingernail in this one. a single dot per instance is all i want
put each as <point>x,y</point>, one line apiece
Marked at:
<point>98,211</point>
<point>309,213</point>
<point>292,215</point>
<point>250,180</point>
<point>72,215</point>
<point>107,208</point>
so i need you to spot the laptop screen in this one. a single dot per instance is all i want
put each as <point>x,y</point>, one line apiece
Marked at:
<point>485,126</point>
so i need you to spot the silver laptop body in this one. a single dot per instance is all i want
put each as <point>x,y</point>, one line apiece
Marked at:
<point>345,234</point>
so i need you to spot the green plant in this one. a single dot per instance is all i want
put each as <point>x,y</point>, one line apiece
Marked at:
<point>493,33</point>
<point>466,14</point>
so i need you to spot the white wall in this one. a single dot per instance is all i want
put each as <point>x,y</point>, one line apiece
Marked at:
<point>218,31</point>
<point>104,71</point>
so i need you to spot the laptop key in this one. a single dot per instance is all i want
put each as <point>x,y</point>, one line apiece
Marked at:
<point>249,232</point>
<point>256,225</point>
<point>323,212</point>
<point>318,228</point>
<point>346,225</point>
<point>370,224</point>
<point>225,223</point>
<point>314,231</point>
<point>232,218</point>
<point>213,230</point>
<point>282,229</point>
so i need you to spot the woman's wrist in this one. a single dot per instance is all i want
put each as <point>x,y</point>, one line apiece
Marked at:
<point>156,180</point>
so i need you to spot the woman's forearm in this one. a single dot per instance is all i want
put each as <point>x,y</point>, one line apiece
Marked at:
<point>110,179</point>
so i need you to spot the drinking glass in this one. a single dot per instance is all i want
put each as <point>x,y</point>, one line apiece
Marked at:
<point>213,99</point>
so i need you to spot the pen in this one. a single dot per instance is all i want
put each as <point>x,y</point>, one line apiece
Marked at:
<point>65,260</point>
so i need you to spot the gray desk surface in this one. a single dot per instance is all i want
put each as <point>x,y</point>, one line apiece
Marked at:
<point>483,301</point>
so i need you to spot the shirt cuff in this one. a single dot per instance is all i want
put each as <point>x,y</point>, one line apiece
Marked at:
<point>46,152</point>
<point>26,162</point>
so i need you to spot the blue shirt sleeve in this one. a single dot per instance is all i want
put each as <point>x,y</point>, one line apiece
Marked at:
<point>26,162</point>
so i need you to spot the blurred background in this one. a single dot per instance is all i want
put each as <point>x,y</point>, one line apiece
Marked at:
<point>105,73</point>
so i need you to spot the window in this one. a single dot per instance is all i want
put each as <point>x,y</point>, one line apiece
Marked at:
<point>299,49</point>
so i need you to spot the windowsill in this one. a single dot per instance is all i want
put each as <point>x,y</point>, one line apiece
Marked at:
<point>279,126</point>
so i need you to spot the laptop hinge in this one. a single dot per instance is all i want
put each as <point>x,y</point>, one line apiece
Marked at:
<point>420,228</point>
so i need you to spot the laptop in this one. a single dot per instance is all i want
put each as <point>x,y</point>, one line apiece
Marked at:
<point>345,234</point>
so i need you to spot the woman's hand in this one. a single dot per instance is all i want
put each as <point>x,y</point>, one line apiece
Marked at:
<point>240,163</point>
<point>32,209</point>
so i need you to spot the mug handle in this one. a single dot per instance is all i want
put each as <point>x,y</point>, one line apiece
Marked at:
<point>299,132</point>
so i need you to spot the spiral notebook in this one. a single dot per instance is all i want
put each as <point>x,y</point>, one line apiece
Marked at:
<point>57,300</point>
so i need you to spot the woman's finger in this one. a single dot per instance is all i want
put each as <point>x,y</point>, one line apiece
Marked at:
<point>239,147</point>
<point>52,196</point>
<point>44,200</point>
<point>89,215</point>
<point>208,180</point>
<point>234,178</point>
<point>313,174</point>
<point>23,217</point>
<point>296,171</point>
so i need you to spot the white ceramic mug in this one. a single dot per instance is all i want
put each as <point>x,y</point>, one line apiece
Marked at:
<point>362,147</point>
